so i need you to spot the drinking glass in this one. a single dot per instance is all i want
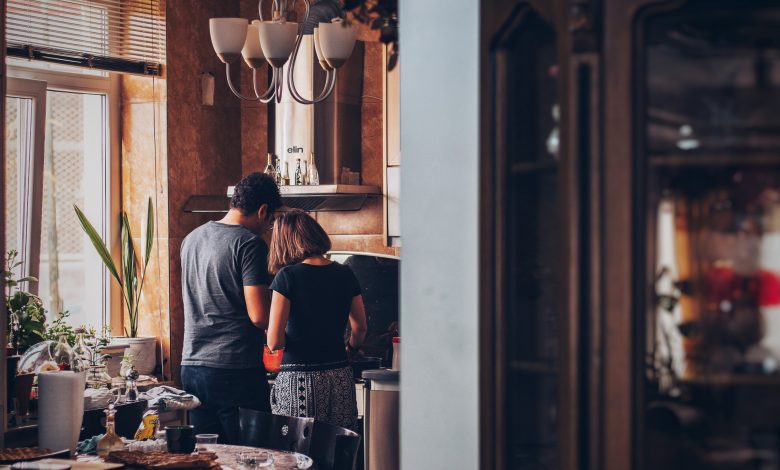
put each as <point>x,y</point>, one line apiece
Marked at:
<point>203,440</point>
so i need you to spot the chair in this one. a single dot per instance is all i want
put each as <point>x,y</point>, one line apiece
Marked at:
<point>260,429</point>
<point>333,447</point>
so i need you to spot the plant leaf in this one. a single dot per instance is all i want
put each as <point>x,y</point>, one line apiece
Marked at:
<point>129,271</point>
<point>28,279</point>
<point>98,243</point>
<point>149,232</point>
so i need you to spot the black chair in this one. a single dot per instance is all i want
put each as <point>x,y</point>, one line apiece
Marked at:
<point>333,447</point>
<point>260,429</point>
<point>128,418</point>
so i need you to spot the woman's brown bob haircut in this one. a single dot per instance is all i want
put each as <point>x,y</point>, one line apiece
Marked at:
<point>296,236</point>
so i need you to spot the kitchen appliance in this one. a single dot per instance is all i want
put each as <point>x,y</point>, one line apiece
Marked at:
<point>378,276</point>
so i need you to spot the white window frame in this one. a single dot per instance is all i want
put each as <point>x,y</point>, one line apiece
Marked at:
<point>107,84</point>
<point>29,245</point>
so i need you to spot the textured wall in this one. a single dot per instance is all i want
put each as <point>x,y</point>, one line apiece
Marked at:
<point>145,175</point>
<point>204,142</point>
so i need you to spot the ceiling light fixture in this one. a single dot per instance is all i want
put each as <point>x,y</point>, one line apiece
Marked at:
<point>276,42</point>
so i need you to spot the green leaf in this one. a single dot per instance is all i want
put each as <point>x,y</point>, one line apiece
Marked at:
<point>149,232</point>
<point>97,242</point>
<point>28,279</point>
<point>130,273</point>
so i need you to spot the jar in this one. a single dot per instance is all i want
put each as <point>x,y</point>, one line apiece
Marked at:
<point>63,354</point>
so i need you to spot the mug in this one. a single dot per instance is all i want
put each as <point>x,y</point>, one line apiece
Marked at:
<point>181,439</point>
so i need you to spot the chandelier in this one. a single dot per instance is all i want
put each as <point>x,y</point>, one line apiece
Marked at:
<point>278,41</point>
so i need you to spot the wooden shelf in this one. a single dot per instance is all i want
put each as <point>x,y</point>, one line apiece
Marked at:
<point>693,160</point>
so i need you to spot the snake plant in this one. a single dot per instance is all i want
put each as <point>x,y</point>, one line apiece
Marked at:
<point>133,274</point>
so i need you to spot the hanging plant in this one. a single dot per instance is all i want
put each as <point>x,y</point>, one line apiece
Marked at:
<point>379,15</point>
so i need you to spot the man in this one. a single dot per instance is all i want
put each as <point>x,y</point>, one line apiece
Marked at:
<point>226,303</point>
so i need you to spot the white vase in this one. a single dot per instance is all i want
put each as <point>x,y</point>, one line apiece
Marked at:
<point>144,353</point>
<point>116,350</point>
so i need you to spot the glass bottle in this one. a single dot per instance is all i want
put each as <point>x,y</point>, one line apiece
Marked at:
<point>110,441</point>
<point>298,173</point>
<point>80,352</point>
<point>278,176</point>
<point>132,387</point>
<point>270,169</point>
<point>313,174</point>
<point>286,175</point>
<point>63,354</point>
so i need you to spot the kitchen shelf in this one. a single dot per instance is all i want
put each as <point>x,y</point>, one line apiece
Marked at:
<point>321,198</point>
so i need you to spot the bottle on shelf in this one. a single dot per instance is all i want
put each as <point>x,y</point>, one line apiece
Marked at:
<point>110,441</point>
<point>63,354</point>
<point>313,176</point>
<point>270,169</point>
<point>298,173</point>
<point>278,175</point>
<point>286,175</point>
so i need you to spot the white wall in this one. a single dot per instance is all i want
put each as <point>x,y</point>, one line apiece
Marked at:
<point>439,219</point>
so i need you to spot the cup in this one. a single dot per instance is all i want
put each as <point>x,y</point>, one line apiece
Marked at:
<point>180,439</point>
<point>272,360</point>
<point>202,441</point>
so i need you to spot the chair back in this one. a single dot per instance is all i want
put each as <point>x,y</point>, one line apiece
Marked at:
<point>334,447</point>
<point>260,429</point>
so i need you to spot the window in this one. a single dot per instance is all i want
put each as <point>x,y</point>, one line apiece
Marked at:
<point>59,153</point>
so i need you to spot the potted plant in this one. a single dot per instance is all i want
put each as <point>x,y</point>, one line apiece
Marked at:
<point>26,315</point>
<point>131,281</point>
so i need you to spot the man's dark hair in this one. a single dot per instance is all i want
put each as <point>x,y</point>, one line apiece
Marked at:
<point>253,191</point>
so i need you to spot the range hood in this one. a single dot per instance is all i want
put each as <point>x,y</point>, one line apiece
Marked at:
<point>320,198</point>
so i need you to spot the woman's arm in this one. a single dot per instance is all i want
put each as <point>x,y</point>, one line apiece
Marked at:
<point>280,313</point>
<point>357,322</point>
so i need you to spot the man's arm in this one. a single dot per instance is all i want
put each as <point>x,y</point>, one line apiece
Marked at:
<point>258,304</point>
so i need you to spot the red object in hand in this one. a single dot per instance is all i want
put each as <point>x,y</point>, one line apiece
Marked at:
<point>769,293</point>
<point>272,360</point>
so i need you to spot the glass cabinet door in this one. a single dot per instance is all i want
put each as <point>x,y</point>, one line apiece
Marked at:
<point>529,250</point>
<point>707,233</point>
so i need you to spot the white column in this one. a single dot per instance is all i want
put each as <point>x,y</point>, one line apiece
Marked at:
<point>439,221</point>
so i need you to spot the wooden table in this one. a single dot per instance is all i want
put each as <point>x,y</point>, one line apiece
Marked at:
<point>227,456</point>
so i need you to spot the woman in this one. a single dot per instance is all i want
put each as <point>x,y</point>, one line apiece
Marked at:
<point>312,300</point>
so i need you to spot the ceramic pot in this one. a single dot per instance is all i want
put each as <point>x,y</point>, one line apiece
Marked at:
<point>116,350</point>
<point>143,351</point>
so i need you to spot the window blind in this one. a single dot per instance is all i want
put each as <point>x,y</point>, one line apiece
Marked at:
<point>116,35</point>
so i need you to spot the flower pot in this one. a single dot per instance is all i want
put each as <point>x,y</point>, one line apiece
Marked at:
<point>144,353</point>
<point>116,350</point>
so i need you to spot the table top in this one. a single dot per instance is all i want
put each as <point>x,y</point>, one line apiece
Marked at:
<point>227,457</point>
<point>228,454</point>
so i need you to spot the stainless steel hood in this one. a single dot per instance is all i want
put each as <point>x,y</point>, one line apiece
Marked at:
<point>321,198</point>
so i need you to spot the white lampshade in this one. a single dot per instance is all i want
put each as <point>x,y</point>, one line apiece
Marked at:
<point>336,42</point>
<point>252,52</point>
<point>277,41</point>
<point>228,36</point>
<point>317,49</point>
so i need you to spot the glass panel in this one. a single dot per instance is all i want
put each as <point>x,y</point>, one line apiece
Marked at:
<point>532,248</point>
<point>71,274</point>
<point>712,238</point>
<point>18,177</point>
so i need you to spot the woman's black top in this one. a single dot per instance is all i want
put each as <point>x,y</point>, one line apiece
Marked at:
<point>320,300</point>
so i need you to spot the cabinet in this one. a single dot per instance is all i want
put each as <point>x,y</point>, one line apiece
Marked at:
<point>631,305</point>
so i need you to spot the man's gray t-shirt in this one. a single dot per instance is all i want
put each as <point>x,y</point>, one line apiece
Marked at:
<point>217,261</point>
